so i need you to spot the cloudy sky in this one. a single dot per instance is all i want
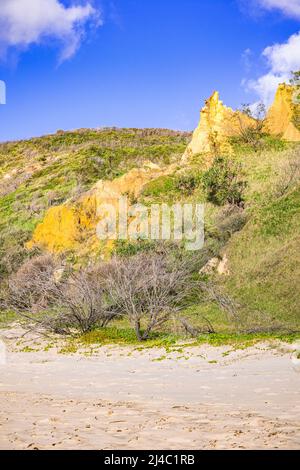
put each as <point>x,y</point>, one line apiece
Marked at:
<point>140,63</point>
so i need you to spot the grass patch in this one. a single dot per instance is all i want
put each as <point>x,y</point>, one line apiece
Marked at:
<point>7,317</point>
<point>171,342</point>
<point>245,340</point>
<point>125,336</point>
<point>281,216</point>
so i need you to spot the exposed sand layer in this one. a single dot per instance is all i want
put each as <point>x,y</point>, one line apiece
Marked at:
<point>122,398</point>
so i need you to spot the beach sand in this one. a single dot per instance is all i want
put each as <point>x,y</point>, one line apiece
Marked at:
<point>123,398</point>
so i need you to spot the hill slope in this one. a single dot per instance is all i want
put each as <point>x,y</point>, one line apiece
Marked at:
<point>41,173</point>
<point>250,260</point>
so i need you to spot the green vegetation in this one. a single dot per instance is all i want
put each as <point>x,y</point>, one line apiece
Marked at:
<point>43,172</point>
<point>129,248</point>
<point>223,183</point>
<point>123,336</point>
<point>296,111</point>
<point>252,209</point>
<point>164,186</point>
<point>265,262</point>
<point>268,143</point>
<point>296,115</point>
<point>176,187</point>
<point>7,317</point>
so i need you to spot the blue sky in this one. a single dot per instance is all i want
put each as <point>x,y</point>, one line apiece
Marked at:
<point>139,63</point>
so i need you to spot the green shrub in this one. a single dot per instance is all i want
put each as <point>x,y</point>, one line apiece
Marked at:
<point>187,183</point>
<point>296,114</point>
<point>223,183</point>
<point>295,81</point>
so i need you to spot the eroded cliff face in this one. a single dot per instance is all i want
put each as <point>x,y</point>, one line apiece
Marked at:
<point>217,123</point>
<point>72,226</point>
<point>280,118</point>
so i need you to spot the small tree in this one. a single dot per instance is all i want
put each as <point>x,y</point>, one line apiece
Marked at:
<point>80,304</point>
<point>148,288</point>
<point>295,81</point>
<point>251,125</point>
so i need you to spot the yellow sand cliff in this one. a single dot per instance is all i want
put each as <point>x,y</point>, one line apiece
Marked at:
<point>73,225</point>
<point>280,116</point>
<point>217,123</point>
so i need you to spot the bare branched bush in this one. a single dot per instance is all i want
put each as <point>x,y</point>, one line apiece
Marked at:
<point>42,292</point>
<point>224,302</point>
<point>148,288</point>
<point>194,331</point>
<point>230,220</point>
<point>289,174</point>
<point>80,304</point>
<point>30,289</point>
<point>251,130</point>
<point>53,198</point>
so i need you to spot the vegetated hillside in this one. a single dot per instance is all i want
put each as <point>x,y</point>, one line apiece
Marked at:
<point>246,277</point>
<point>44,172</point>
<point>259,288</point>
<point>255,247</point>
<point>264,257</point>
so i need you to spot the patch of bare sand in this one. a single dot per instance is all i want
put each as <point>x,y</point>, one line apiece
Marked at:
<point>43,422</point>
<point>121,398</point>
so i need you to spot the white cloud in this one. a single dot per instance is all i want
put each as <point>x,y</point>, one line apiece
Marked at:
<point>288,7</point>
<point>247,59</point>
<point>282,59</point>
<point>27,22</point>
<point>266,86</point>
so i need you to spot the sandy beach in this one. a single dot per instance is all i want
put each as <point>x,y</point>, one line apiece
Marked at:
<point>123,398</point>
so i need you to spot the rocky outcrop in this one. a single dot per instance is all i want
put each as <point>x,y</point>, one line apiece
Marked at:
<point>217,123</point>
<point>210,267</point>
<point>216,265</point>
<point>223,266</point>
<point>281,115</point>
